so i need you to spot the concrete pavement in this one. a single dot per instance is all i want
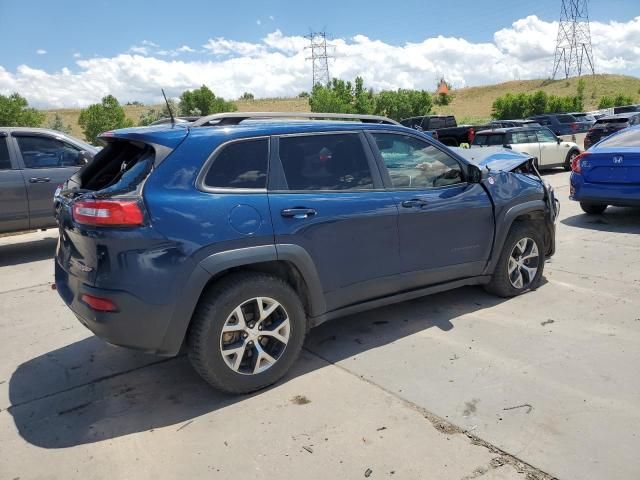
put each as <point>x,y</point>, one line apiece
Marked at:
<point>456,385</point>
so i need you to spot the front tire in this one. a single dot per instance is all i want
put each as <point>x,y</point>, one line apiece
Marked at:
<point>593,208</point>
<point>246,332</point>
<point>521,263</point>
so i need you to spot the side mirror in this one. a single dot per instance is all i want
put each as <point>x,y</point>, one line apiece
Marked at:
<point>558,140</point>
<point>84,157</point>
<point>474,173</point>
<point>506,145</point>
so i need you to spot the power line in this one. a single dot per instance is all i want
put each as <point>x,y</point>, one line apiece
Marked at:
<point>319,57</point>
<point>573,46</point>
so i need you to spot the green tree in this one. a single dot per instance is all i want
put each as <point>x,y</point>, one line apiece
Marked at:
<point>622,99</point>
<point>336,97</point>
<point>101,117</point>
<point>15,112</point>
<point>57,124</point>
<point>202,101</point>
<point>403,103</point>
<point>364,101</point>
<point>619,100</point>
<point>150,116</point>
<point>538,103</point>
<point>247,96</point>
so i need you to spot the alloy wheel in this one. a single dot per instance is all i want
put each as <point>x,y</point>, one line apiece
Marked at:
<point>524,262</point>
<point>255,335</point>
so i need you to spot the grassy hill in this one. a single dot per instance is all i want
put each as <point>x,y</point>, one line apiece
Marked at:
<point>473,104</point>
<point>469,105</point>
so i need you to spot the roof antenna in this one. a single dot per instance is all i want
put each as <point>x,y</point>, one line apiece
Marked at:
<point>173,120</point>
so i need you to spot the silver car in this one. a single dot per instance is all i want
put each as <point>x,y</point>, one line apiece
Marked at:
<point>33,162</point>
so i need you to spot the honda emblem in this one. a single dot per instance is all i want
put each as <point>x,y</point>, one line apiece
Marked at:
<point>617,159</point>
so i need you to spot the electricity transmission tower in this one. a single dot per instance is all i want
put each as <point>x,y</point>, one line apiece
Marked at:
<point>319,57</point>
<point>573,47</point>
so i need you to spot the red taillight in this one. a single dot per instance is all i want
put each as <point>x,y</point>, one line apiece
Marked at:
<point>108,212</point>
<point>575,163</point>
<point>471,134</point>
<point>98,303</point>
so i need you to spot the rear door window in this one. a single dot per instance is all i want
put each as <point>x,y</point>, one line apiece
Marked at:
<point>47,152</point>
<point>241,164</point>
<point>325,162</point>
<point>5,161</point>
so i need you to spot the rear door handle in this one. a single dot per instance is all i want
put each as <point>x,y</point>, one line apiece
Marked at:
<point>39,180</point>
<point>298,212</point>
<point>414,203</point>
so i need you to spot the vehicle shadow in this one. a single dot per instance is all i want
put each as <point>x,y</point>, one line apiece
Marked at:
<point>74,395</point>
<point>26,252</point>
<point>614,219</point>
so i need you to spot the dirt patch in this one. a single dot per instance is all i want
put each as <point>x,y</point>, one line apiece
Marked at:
<point>300,400</point>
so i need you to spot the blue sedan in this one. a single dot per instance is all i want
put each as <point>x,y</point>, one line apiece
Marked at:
<point>608,173</point>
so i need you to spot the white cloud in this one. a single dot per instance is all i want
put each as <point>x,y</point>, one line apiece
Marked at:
<point>258,22</point>
<point>139,50</point>
<point>272,18</point>
<point>277,65</point>
<point>41,51</point>
<point>77,55</point>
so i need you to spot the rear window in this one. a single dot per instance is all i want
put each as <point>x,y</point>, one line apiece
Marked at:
<point>325,162</point>
<point>240,165</point>
<point>612,120</point>
<point>120,167</point>
<point>5,161</point>
<point>630,138</point>
<point>566,119</point>
<point>488,140</point>
<point>436,122</point>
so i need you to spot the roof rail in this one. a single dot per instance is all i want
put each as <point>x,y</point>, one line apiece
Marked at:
<point>235,118</point>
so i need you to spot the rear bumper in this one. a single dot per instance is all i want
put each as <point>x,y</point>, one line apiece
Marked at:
<point>135,324</point>
<point>624,195</point>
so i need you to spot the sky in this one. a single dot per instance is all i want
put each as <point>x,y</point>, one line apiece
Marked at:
<point>61,53</point>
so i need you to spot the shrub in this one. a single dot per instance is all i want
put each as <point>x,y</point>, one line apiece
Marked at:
<point>341,96</point>
<point>15,112</point>
<point>57,124</point>
<point>202,101</point>
<point>101,117</point>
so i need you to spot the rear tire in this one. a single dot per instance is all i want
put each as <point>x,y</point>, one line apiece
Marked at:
<point>593,208</point>
<point>521,263</point>
<point>224,344</point>
<point>570,156</point>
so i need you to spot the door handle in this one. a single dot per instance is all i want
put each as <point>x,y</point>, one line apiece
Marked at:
<point>39,180</point>
<point>298,212</point>
<point>414,203</point>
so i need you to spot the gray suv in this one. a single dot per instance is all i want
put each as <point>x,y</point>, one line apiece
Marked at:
<point>33,162</point>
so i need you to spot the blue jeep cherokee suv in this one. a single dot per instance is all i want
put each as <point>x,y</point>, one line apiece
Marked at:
<point>235,234</point>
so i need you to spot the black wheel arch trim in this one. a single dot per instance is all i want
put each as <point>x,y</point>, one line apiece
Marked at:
<point>504,226</point>
<point>216,263</point>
